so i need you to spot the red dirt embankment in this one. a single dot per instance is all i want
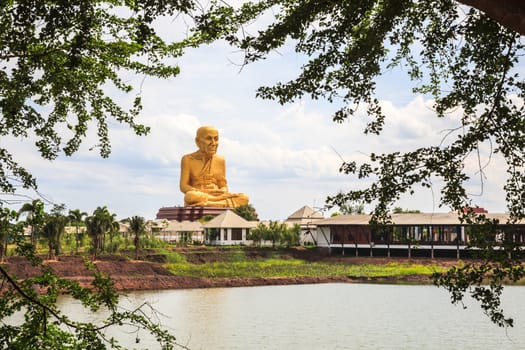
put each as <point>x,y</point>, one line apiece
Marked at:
<point>144,275</point>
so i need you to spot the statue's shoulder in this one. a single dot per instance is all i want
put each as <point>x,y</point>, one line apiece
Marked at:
<point>191,156</point>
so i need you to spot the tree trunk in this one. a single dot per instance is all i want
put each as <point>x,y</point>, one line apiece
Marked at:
<point>95,247</point>
<point>51,253</point>
<point>508,13</point>
<point>56,244</point>
<point>33,238</point>
<point>77,239</point>
<point>137,247</point>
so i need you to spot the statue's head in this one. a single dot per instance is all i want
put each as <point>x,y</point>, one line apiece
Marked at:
<point>207,140</point>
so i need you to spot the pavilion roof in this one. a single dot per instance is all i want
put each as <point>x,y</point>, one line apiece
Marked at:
<point>305,213</point>
<point>407,219</point>
<point>229,219</point>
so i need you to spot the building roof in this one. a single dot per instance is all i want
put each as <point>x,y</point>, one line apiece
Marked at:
<point>183,226</point>
<point>172,225</point>
<point>188,226</point>
<point>305,213</point>
<point>407,219</point>
<point>122,227</point>
<point>358,219</point>
<point>229,219</point>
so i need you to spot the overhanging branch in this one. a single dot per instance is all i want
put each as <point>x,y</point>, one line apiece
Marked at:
<point>508,13</point>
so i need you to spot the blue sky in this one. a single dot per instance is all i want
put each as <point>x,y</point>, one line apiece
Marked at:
<point>283,157</point>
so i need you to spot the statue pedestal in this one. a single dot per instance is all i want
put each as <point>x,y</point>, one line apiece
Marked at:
<point>188,213</point>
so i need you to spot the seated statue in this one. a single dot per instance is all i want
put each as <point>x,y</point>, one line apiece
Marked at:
<point>203,174</point>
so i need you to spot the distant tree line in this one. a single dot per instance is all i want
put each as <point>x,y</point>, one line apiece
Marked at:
<point>97,233</point>
<point>399,210</point>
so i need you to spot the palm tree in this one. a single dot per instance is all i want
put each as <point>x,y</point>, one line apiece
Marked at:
<point>76,218</point>
<point>97,225</point>
<point>34,216</point>
<point>6,229</point>
<point>137,225</point>
<point>53,229</point>
<point>92,229</point>
<point>114,228</point>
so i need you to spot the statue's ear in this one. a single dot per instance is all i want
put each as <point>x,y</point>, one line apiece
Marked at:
<point>197,143</point>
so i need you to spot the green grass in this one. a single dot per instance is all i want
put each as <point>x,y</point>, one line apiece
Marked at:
<point>172,257</point>
<point>297,268</point>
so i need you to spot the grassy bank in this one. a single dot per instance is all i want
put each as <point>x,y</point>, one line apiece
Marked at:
<point>299,268</point>
<point>249,263</point>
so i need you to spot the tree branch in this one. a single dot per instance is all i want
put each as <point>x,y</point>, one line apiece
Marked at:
<point>508,13</point>
<point>20,291</point>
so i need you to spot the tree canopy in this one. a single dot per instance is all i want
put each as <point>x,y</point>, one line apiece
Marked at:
<point>247,212</point>
<point>466,59</point>
<point>456,55</point>
<point>61,65</point>
<point>60,62</point>
<point>137,226</point>
<point>60,59</point>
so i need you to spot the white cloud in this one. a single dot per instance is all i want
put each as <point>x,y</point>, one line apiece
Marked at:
<point>283,157</point>
<point>282,163</point>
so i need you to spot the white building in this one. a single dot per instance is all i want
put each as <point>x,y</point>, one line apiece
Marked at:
<point>307,219</point>
<point>228,228</point>
<point>182,232</point>
<point>408,234</point>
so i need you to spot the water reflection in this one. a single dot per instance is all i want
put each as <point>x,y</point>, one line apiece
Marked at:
<point>329,316</point>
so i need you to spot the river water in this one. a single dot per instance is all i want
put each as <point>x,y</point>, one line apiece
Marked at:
<point>324,316</point>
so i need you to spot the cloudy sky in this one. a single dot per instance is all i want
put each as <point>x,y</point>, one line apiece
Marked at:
<point>283,157</point>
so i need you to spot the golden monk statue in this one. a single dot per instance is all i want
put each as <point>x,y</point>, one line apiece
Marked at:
<point>203,174</point>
